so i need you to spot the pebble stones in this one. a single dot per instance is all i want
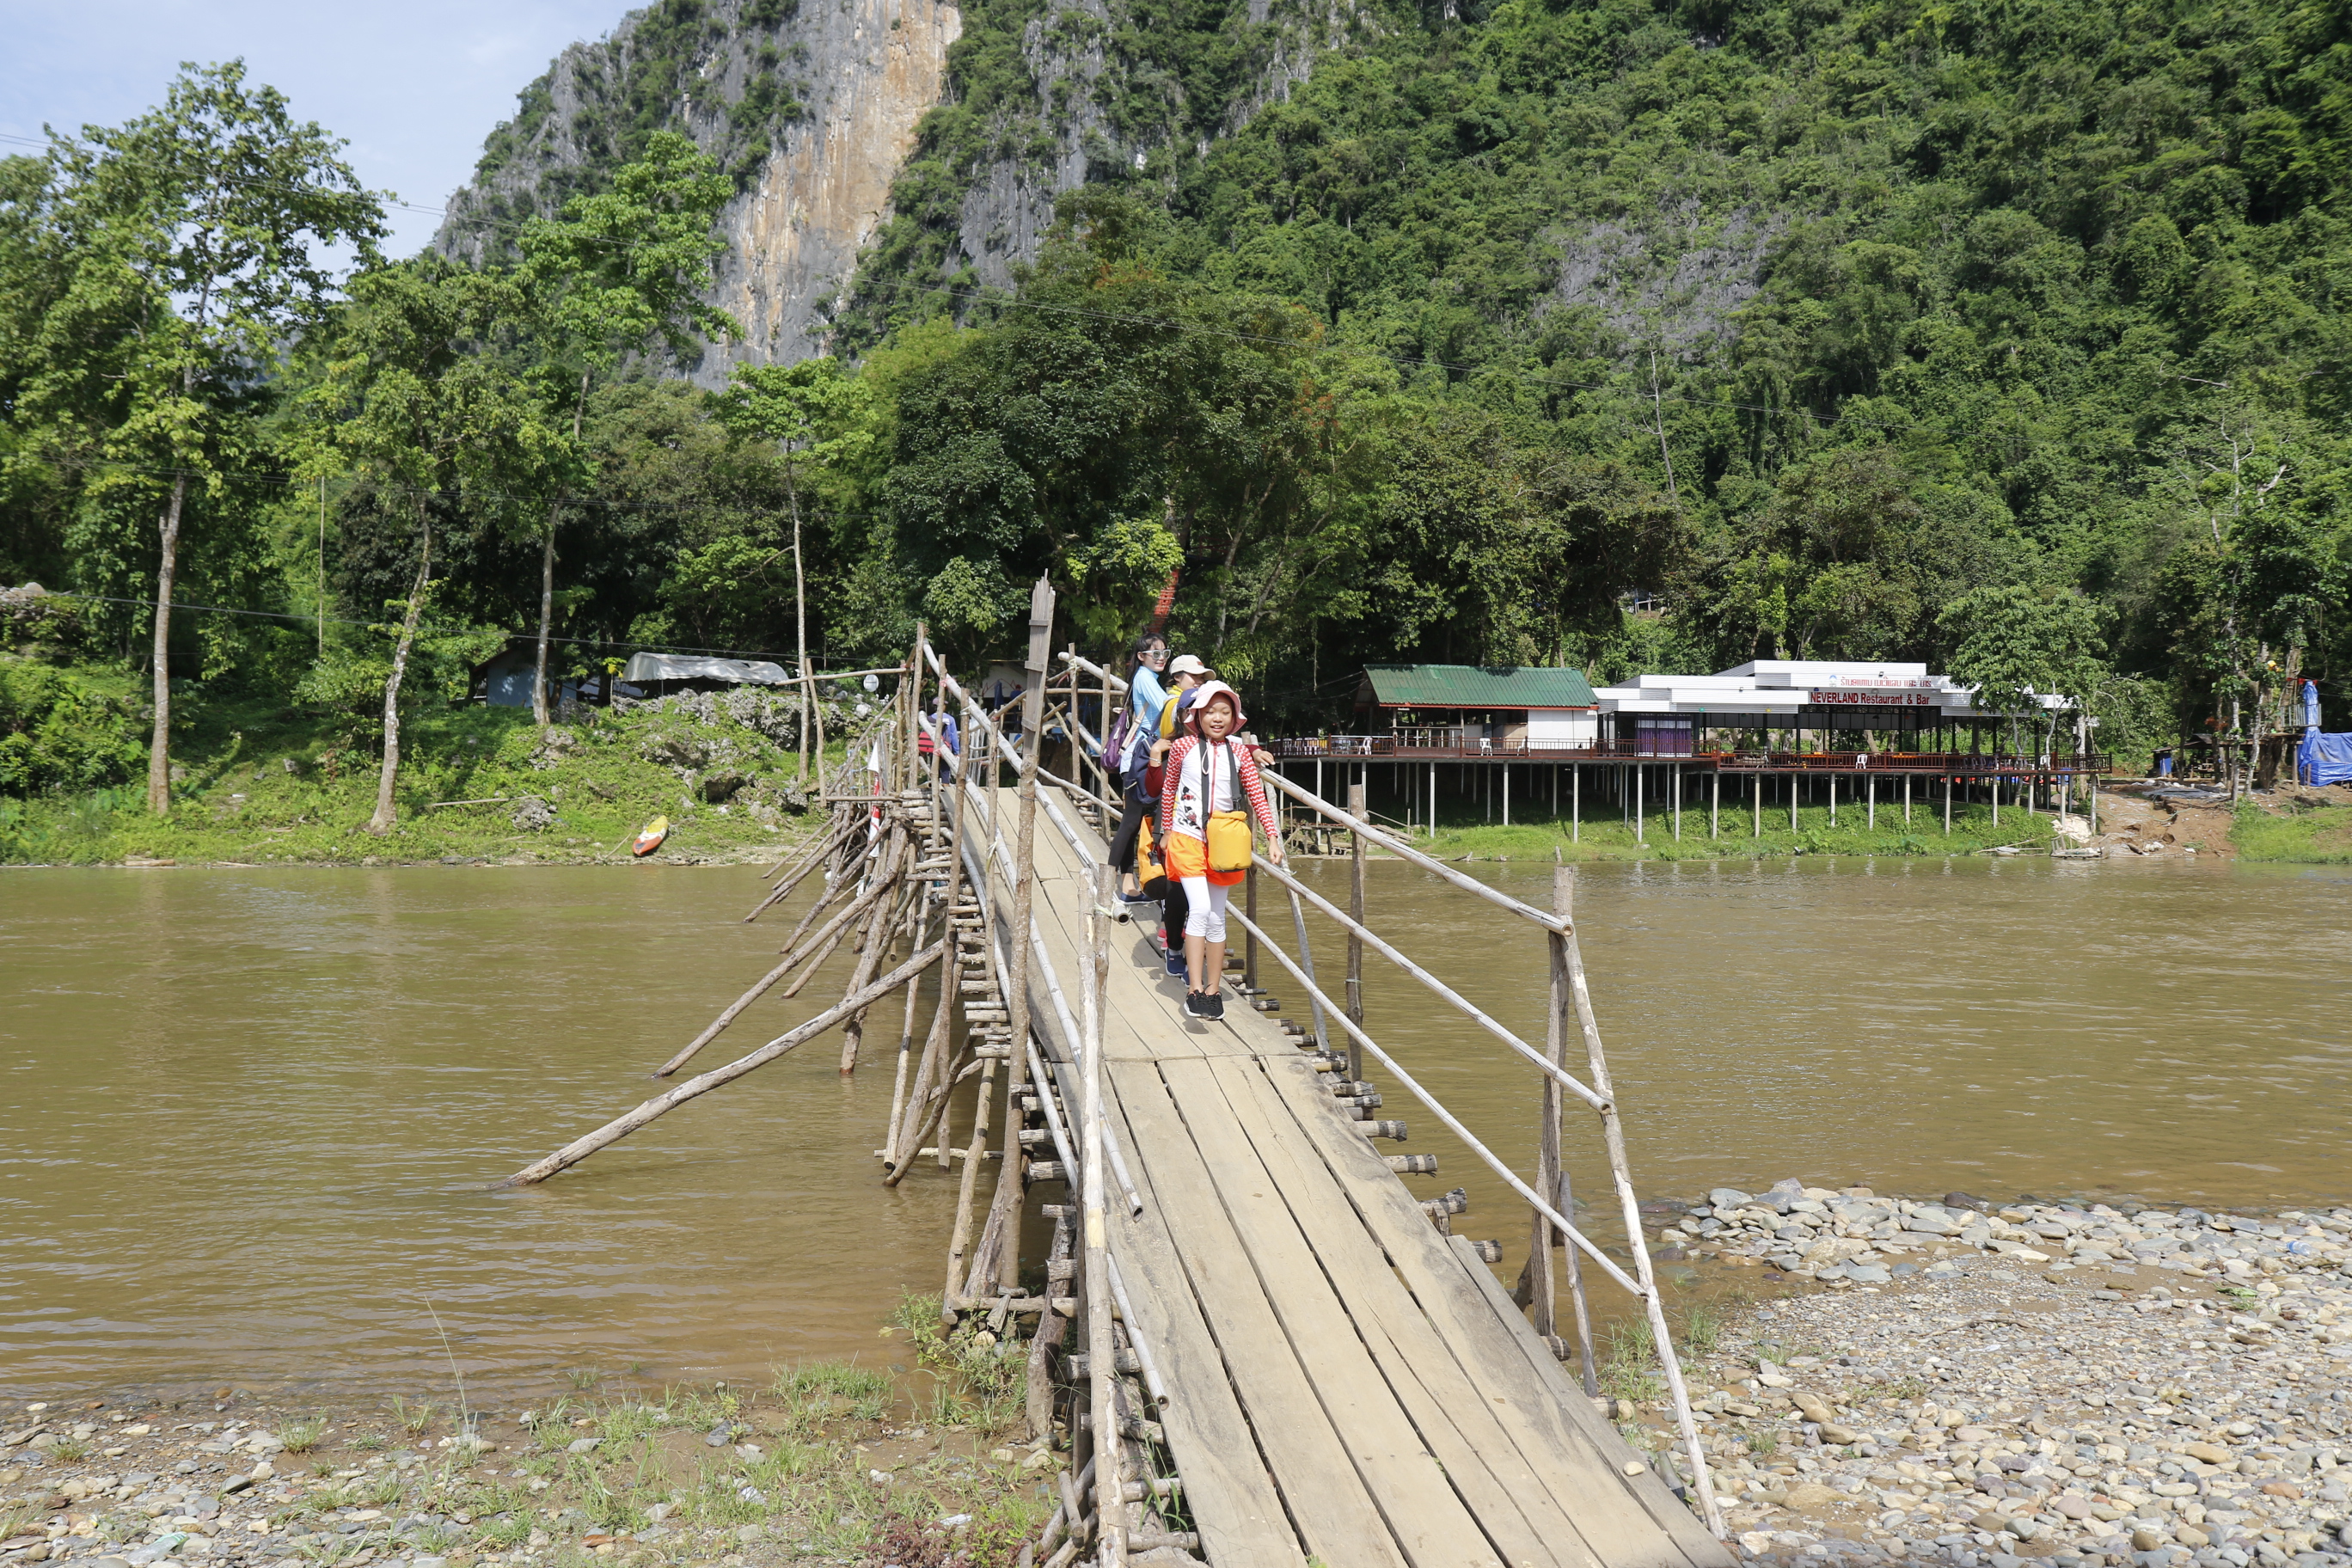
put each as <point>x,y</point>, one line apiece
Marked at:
<point>2031,1385</point>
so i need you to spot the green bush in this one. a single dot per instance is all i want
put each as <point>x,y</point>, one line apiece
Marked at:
<point>58,730</point>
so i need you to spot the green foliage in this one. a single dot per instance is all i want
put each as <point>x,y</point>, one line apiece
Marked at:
<point>2306,835</point>
<point>65,729</point>
<point>625,269</point>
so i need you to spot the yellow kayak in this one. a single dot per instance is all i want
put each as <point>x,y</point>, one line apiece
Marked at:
<point>651,838</point>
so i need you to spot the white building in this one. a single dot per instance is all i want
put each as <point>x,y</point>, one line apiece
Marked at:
<point>1800,695</point>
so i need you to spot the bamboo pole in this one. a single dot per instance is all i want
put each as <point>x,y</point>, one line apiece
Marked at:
<point>1102,1368</point>
<point>875,940</point>
<point>621,1127</point>
<point>1356,912</point>
<point>791,961</point>
<point>1307,957</point>
<point>840,928</point>
<point>1006,1209</point>
<point>1576,1297</point>
<point>809,862</point>
<point>1381,945</point>
<point>1548,1162</point>
<point>955,1293</point>
<point>1620,1169</point>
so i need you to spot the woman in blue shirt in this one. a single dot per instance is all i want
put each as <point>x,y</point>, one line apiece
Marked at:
<point>1146,696</point>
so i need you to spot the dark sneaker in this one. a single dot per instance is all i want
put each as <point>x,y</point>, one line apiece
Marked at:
<point>1212,1003</point>
<point>1197,1004</point>
<point>1176,969</point>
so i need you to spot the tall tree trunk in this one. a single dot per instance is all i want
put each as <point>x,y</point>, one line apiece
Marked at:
<point>809,719</point>
<point>539,712</point>
<point>159,750</point>
<point>380,823</point>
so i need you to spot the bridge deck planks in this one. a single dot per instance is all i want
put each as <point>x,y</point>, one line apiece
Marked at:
<point>1345,1385</point>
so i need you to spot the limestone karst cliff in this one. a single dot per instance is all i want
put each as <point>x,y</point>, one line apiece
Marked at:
<point>834,90</point>
<point>873,159</point>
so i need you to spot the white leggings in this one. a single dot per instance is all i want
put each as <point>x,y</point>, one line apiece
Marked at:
<point>1204,911</point>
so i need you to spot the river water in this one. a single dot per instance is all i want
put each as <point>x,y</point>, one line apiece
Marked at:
<point>250,1120</point>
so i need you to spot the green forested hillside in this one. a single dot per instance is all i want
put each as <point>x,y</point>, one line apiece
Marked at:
<point>2006,336</point>
<point>1877,305</point>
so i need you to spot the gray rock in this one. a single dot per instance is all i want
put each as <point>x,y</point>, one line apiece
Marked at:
<point>584,1445</point>
<point>532,815</point>
<point>1868,1273</point>
<point>1722,1198</point>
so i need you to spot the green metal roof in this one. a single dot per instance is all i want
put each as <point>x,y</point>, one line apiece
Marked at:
<point>1472,685</point>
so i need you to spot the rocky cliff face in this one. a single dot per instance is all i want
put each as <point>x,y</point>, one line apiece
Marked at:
<point>813,112</point>
<point>815,108</point>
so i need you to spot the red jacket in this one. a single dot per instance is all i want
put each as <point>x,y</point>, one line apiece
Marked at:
<point>1252,786</point>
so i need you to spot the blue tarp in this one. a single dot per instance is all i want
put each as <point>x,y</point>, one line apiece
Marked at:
<point>2324,758</point>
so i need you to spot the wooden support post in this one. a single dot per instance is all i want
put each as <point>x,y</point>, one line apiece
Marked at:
<point>1793,777</point>
<point>1507,794</point>
<point>975,1155</point>
<point>1907,800</point>
<point>1576,803</point>
<point>1715,805</point>
<point>1756,803</point>
<point>1433,802</point>
<point>1675,770</point>
<point>1101,1358</point>
<point>1548,1166</point>
<point>1356,912</point>
<point>1833,782</point>
<point>1639,821</point>
<point>1249,938</point>
<point>1584,1358</point>
<point>1947,805</point>
<point>1871,782</point>
<point>1006,1208</point>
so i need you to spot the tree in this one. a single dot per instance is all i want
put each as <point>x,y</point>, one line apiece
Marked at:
<point>187,236</point>
<point>619,272</point>
<point>818,417</point>
<point>2016,645</point>
<point>427,418</point>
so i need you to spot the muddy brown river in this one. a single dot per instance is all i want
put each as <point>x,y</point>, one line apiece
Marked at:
<point>249,1120</point>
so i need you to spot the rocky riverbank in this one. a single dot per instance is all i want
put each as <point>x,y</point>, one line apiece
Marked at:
<point>832,1464</point>
<point>1988,1384</point>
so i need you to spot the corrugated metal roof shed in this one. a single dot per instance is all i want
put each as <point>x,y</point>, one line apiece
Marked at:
<point>1472,685</point>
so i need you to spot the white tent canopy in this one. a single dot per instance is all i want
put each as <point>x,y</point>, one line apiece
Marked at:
<point>650,667</point>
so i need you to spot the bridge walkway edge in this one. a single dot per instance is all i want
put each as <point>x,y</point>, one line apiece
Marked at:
<point>1345,1385</point>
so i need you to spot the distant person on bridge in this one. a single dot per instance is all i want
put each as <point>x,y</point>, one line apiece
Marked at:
<point>1130,749</point>
<point>1205,833</point>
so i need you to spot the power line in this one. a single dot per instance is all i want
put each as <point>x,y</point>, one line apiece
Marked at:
<point>351,621</point>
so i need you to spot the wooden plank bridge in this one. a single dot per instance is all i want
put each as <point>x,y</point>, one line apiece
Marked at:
<point>1296,1361</point>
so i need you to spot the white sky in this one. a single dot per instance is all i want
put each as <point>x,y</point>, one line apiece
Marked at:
<point>413,86</point>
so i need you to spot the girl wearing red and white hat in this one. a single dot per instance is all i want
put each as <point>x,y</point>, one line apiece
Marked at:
<point>1204,832</point>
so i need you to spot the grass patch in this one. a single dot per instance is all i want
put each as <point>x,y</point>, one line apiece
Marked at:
<point>1606,837</point>
<point>2294,834</point>
<point>260,784</point>
<point>1629,1365</point>
<point>301,1436</point>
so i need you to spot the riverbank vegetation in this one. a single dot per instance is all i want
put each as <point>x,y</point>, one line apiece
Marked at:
<point>1607,836</point>
<point>836,1461</point>
<point>260,782</point>
<point>2010,342</point>
<point>2310,835</point>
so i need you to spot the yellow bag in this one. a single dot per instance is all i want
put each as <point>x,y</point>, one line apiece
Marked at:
<point>1229,841</point>
<point>1229,831</point>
